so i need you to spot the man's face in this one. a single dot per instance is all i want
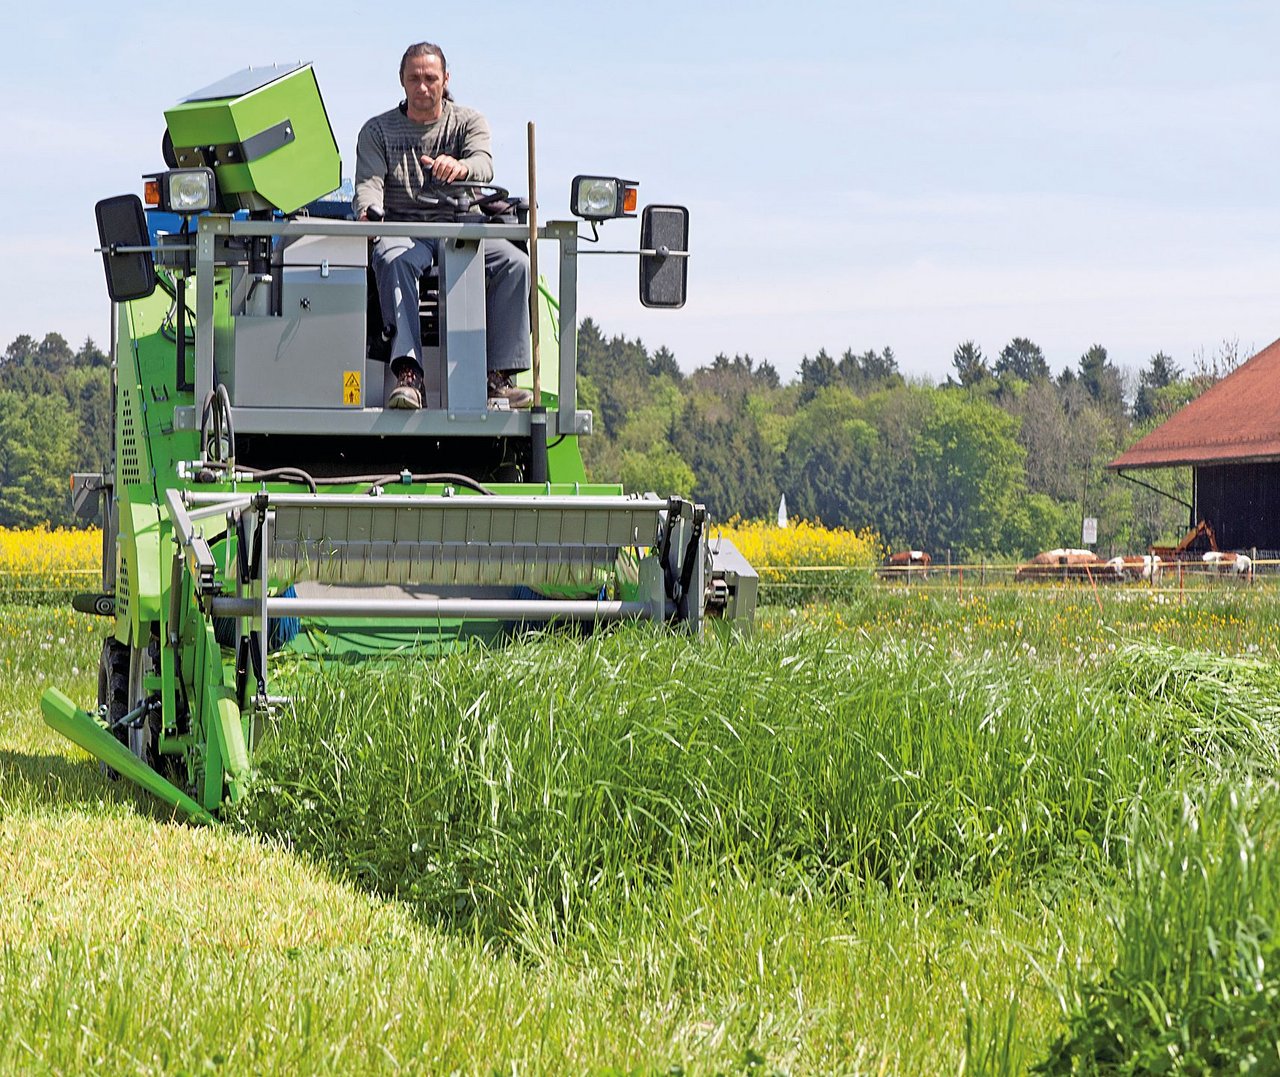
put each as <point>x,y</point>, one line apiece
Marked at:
<point>424,83</point>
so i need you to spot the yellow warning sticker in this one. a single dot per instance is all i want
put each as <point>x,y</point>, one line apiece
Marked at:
<point>351,387</point>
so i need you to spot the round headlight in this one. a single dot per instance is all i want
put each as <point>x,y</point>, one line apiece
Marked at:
<point>189,192</point>
<point>598,196</point>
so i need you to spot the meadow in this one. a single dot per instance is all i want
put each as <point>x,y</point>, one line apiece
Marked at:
<point>903,830</point>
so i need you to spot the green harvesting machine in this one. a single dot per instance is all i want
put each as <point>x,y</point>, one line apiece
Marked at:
<point>261,499</point>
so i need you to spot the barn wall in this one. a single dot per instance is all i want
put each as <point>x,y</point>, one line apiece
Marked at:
<point>1242,502</point>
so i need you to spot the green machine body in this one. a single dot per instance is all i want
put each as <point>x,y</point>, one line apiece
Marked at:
<point>265,133</point>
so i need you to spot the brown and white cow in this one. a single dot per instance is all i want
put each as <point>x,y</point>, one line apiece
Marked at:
<point>1145,567</point>
<point>1229,564</point>
<point>1060,562</point>
<point>906,562</point>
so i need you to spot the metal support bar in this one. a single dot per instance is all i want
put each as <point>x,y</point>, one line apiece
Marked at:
<point>446,503</point>
<point>264,560</point>
<point>119,248</point>
<point>198,555</point>
<point>566,233</point>
<point>434,608</point>
<point>663,252</point>
<point>204,307</point>
<point>463,328</point>
<point>1163,493</point>
<point>414,230</point>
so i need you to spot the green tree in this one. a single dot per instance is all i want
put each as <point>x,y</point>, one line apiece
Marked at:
<point>663,364</point>
<point>1100,378</point>
<point>724,446</point>
<point>931,468</point>
<point>1158,374</point>
<point>970,365</point>
<point>977,472</point>
<point>660,469</point>
<point>829,459</point>
<point>870,371</point>
<point>1038,522</point>
<point>77,386</point>
<point>36,456</point>
<point>1021,359</point>
<point>816,374</point>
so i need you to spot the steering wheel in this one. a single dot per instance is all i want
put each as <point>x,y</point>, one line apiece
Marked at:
<point>467,200</point>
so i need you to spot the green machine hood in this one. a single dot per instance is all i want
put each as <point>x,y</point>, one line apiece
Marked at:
<point>265,133</point>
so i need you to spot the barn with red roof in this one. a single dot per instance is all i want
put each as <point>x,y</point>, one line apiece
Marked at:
<point>1230,438</point>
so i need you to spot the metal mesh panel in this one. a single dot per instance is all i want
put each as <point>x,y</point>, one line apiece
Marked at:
<point>423,563</point>
<point>130,455</point>
<point>485,543</point>
<point>122,592</point>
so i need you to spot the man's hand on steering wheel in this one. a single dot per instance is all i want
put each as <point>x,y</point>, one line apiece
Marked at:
<point>445,169</point>
<point>470,196</point>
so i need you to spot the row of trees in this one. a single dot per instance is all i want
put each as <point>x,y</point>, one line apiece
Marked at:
<point>54,419</point>
<point>1002,458</point>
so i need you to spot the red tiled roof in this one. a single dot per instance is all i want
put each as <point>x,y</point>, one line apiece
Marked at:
<point>1236,420</point>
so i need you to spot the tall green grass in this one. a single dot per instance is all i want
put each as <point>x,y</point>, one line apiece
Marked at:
<point>1195,987</point>
<point>554,777</point>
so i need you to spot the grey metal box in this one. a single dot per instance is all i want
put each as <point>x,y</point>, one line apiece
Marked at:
<point>312,355</point>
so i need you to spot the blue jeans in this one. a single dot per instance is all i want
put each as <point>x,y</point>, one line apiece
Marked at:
<point>399,261</point>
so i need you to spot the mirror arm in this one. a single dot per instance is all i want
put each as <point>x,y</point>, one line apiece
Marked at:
<point>660,252</point>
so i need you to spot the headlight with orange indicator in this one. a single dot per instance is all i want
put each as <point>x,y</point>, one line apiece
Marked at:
<point>602,198</point>
<point>181,190</point>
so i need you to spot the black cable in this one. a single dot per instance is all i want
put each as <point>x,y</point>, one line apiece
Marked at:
<point>282,473</point>
<point>170,289</point>
<point>387,480</point>
<point>224,399</point>
<point>354,480</point>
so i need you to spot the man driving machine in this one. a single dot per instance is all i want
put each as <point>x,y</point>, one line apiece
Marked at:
<point>409,162</point>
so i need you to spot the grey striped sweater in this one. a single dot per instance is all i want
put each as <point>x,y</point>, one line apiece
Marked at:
<point>389,171</point>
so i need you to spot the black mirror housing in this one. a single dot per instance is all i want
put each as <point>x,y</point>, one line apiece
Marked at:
<point>122,222</point>
<point>664,275</point>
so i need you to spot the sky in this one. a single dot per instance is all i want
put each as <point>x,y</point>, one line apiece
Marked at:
<point>915,174</point>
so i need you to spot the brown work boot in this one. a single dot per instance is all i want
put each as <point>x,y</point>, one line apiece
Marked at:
<point>407,395</point>
<point>503,389</point>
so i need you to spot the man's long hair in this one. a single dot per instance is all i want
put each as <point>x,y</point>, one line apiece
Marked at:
<point>426,48</point>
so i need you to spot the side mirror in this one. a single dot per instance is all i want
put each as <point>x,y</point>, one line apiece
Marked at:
<point>664,275</point>
<point>122,229</point>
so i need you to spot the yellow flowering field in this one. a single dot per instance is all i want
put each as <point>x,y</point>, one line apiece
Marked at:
<point>777,552</point>
<point>40,560</point>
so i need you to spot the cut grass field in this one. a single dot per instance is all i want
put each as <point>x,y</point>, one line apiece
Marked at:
<point>908,833</point>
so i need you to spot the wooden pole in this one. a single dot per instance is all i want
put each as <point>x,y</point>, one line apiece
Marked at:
<point>1094,584</point>
<point>534,311</point>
